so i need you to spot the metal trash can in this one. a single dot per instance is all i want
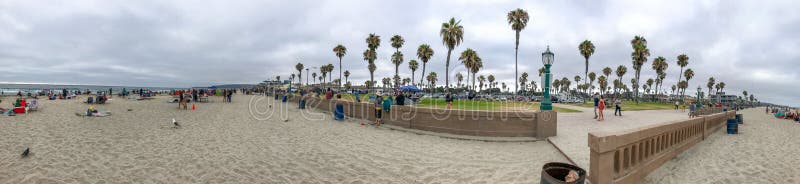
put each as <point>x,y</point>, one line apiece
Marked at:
<point>739,119</point>
<point>556,172</point>
<point>733,126</point>
<point>338,113</point>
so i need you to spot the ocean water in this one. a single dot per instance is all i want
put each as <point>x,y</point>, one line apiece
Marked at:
<point>12,89</point>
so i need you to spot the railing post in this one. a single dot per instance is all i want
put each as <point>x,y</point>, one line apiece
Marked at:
<point>601,159</point>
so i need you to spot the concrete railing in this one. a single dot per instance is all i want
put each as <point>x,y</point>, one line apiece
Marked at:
<point>628,156</point>
<point>538,124</point>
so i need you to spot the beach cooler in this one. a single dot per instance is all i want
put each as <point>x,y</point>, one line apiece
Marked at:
<point>338,113</point>
<point>19,110</point>
<point>733,126</point>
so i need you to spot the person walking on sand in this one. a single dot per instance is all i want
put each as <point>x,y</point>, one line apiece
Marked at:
<point>600,106</point>
<point>676,105</point>
<point>378,109</point>
<point>617,106</point>
<point>449,99</point>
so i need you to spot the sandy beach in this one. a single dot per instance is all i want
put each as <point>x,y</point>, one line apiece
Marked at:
<point>224,143</point>
<point>764,151</point>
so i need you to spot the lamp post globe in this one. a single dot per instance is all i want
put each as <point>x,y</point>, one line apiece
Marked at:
<point>547,60</point>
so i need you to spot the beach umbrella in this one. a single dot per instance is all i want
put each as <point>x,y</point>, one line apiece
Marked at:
<point>410,88</point>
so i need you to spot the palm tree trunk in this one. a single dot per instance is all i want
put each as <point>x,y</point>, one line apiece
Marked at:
<point>586,72</point>
<point>412,78</point>
<point>422,78</point>
<point>447,71</point>
<point>340,73</point>
<point>516,70</point>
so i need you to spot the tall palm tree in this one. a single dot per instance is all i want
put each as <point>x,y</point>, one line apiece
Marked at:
<point>324,72</point>
<point>386,81</point>
<point>346,76</point>
<point>340,51</point>
<point>370,56</point>
<point>721,86</point>
<point>413,65</point>
<point>406,80</point>
<point>682,87</point>
<point>710,85</point>
<point>424,53</point>
<point>602,83</point>
<point>299,68</point>
<point>673,89</point>
<point>659,65</point>
<point>683,60</point>
<point>587,49</point>
<point>373,42</point>
<point>533,86</point>
<point>688,74</point>
<point>397,57</point>
<point>330,68</point>
<point>639,57</point>
<point>607,71</point>
<point>459,79</point>
<point>291,77</point>
<point>518,19</point>
<point>503,84</point>
<point>452,34</point>
<point>470,59</point>
<point>577,82</point>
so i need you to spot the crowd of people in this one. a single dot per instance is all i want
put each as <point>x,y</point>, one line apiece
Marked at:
<point>784,113</point>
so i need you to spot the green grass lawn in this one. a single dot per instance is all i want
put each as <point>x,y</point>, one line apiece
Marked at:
<point>632,106</point>
<point>473,104</point>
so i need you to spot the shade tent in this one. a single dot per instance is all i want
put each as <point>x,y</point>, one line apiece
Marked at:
<point>410,88</point>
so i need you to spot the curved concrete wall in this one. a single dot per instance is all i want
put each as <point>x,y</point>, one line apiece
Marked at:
<point>462,122</point>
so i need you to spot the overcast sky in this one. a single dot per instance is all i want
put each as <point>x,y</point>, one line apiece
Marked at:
<point>750,45</point>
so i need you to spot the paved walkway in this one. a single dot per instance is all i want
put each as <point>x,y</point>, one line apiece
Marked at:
<point>574,128</point>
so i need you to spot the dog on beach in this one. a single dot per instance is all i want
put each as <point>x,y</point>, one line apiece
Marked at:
<point>26,152</point>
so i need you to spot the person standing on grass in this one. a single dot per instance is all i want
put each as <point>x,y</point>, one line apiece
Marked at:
<point>596,99</point>
<point>617,106</point>
<point>676,105</point>
<point>449,99</point>
<point>601,105</point>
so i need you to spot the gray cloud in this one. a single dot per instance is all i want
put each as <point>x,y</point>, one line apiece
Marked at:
<point>750,45</point>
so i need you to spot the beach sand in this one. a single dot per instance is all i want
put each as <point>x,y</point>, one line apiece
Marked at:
<point>765,151</point>
<point>224,143</point>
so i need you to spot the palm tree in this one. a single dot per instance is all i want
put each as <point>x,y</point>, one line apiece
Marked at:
<point>659,65</point>
<point>470,59</point>
<point>503,85</point>
<point>683,60</point>
<point>291,77</point>
<point>602,83</point>
<point>565,84</point>
<point>373,42</point>
<point>424,53</point>
<point>314,76</point>
<point>491,81</point>
<point>518,19</point>
<point>299,68</point>
<point>346,76</point>
<point>682,87</point>
<point>406,80</point>
<point>688,74</point>
<point>386,81</point>
<point>481,79</point>
<point>369,56</point>
<point>324,72</point>
<point>639,57</point>
<point>432,78</point>
<point>459,78</point>
<point>452,34</point>
<point>721,86</point>
<point>397,57</point>
<point>397,60</point>
<point>592,77</point>
<point>649,83</point>
<point>621,70</point>
<point>673,89</point>
<point>533,86</point>
<point>607,71</point>
<point>710,85</point>
<point>577,82</point>
<point>340,51</point>
<point>413,65</point>
<point>587,49</point>
<point>347,85</point>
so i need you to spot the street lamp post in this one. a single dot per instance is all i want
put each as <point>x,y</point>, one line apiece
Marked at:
<point>547,60</point>
<point>307,76</point>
